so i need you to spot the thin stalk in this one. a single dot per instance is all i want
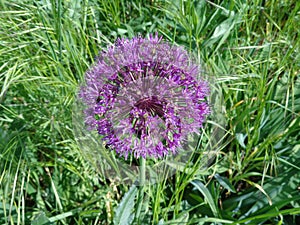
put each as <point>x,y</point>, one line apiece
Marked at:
<point>141,188</point>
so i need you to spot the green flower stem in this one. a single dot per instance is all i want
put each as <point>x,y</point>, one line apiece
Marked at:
<point>141,188</point>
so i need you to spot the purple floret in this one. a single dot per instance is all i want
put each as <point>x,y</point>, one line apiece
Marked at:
<point>144,97</point>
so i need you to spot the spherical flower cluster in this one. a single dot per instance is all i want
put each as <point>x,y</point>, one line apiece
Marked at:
<point>144,97</point>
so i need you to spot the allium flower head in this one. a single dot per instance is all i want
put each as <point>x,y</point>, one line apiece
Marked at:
<point>144,96</point>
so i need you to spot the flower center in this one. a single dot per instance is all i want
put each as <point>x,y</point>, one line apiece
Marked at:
<point>152,105</point>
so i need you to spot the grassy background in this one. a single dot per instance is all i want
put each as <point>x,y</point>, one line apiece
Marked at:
<point>250,48</point>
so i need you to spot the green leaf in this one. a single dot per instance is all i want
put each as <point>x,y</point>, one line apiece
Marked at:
<point>183,218</point>
<point>161,222</point>
<point>212,220</point>
<point>241,139</point>
<point>205,192</point>
<point>225,183</point>
<point>222,31</point>
<point>62,216</point>
<point>263,217</point>
<point>41,219</point>
<point>123,213</point>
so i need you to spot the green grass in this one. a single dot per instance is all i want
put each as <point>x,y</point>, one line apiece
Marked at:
<point>249,49</point>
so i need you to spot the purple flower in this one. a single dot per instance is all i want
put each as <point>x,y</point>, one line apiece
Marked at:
<point>144,97</point>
